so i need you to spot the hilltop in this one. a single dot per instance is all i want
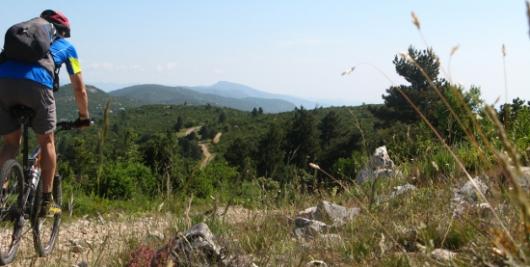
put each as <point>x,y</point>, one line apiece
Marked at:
<point>157,94</point>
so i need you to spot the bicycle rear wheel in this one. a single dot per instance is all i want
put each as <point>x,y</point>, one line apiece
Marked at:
<point>11,208</point>
<point>46,230</point>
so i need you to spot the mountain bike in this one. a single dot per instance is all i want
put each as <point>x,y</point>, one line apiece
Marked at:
<point>21,196</point>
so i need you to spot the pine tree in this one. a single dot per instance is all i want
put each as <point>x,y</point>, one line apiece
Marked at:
<point>329,128</point>
<point>302,139</point>
<point>178,125</point>
<point>396,108</point>
<point>270,155</point>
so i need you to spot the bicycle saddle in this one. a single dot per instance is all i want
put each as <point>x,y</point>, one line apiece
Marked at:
<point>21,112</point>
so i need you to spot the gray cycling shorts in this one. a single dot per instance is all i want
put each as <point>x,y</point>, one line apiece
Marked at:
<point>31,94</point>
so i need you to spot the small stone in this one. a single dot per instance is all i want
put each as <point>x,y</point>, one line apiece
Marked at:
<point>379,166</point>
<point>467,196</point>
<point>197,245</point>
<point>336,214</point>
<point>156,234</point>
<point>443,255</point>
<point>402,189</point>
<point>469,193</point>
<point>316,263</point>
<point>307,228</point>
<point>308,213</point>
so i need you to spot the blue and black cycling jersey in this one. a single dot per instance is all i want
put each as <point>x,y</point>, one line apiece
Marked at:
<point>62,52</point>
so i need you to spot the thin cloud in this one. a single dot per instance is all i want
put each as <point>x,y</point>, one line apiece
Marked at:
<point>111,67</point>
<point>166,67</point>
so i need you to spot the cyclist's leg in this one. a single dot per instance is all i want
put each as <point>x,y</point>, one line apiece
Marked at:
<point>41,100</point>
<point>9,128</point>
<point>10,147</point>
<point>47,160</point>
<point>43,103</point>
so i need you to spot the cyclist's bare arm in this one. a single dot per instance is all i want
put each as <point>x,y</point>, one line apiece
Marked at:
<point>80,93</point>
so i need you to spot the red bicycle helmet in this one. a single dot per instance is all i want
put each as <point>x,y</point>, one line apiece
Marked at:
<point>58,19</point>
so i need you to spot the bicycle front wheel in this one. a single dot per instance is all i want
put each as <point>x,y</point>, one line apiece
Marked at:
<point>11,210</point>
<point>46,230</point>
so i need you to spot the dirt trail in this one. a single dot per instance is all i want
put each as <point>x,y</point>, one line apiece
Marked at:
<point>206,155</point>
<point>217,138</point>
<point>191,130</point>
<point>97,241</point>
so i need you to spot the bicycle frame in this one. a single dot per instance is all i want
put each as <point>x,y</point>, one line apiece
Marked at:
<point>28,161</point>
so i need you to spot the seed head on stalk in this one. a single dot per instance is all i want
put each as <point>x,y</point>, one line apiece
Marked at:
<point>415,20</point>
<point>528,14</point>
<point>454,50</point>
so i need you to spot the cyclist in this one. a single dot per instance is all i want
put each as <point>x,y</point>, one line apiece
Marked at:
<point>31,85</point>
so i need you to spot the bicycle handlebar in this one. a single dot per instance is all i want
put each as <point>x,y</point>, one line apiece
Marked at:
<point>69,125</point>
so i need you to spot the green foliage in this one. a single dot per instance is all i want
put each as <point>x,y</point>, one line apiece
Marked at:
<point>207,132</point>
<point>396,108</point>
<point>179,124</point>
<point>189,147</point>
<point>207,181</point>
<point>348,168</point>
<point>520,130</point>
<point>329,128</point>
<point>123,180</point>
<point>270,155</point>
<point>302,139</point>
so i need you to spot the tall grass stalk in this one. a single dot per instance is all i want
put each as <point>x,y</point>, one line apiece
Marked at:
<point>362,206</point>
<point>101,142</point>
<point>521,199</point>
<point>528,14</point>
<point>479,193</point>
<point>503,50</point>
<point>454,49</point>
<point>458,161</point>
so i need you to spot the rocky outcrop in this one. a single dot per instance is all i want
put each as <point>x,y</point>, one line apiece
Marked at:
<point>379,166</point>
<point>467,196</point>
<point>330,213</point>
<point>197,247</point>
<point>308,229</point>
<point>315,221</point>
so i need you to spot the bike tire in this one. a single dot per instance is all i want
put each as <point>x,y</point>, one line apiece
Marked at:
<point>11,209</point>
<point>46,230</point>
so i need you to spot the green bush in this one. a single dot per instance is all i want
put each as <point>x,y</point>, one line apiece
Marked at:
<point>123,180</point>
<point>347,168</point>
<point>214,176</point>
<point>520,132</point>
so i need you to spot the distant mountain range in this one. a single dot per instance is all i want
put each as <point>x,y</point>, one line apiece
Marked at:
<point>67,107</point>
<point>240,91</point>
<point>147,94</point>
<point>222,94</point>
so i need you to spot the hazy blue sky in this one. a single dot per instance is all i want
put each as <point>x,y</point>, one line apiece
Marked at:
<point>290,47</point>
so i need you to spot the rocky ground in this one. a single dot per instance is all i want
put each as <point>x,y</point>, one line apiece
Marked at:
<point>419,225</point>
<point>96,240</point>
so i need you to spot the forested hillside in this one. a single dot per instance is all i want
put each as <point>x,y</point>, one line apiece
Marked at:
<point>438,135</point>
